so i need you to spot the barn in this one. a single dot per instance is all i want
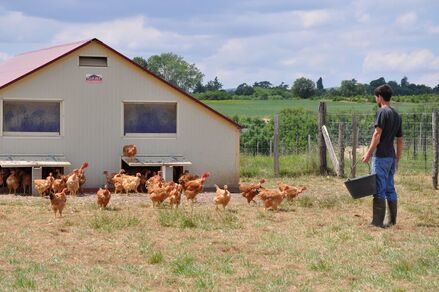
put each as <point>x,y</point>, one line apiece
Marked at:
<point>83,101</point>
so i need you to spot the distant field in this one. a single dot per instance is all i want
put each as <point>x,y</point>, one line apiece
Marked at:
<point>262,108</point>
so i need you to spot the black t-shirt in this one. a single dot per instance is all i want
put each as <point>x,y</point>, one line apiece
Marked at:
<point>390,122</point>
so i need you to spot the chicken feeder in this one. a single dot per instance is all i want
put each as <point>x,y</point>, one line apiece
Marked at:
<point>361,186</point>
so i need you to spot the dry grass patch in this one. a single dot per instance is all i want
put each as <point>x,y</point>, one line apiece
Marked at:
<point>319,241</point>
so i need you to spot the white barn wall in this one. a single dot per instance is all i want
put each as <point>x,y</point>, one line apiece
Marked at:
<point>93,119</point>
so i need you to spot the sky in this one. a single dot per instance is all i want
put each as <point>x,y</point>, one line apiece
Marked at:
<point>245,41</point>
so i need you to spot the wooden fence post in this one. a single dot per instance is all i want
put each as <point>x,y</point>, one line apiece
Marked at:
<point>276,145</point>
<point>341,145</point>
<point>322,145</point>
<point>354,143</point>
<point>435,149</point>
<point>414,137</point>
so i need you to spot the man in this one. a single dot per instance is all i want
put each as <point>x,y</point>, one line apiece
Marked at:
<point>388,125</point>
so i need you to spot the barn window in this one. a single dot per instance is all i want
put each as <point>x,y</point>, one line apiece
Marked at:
<point>88,61</point>
<point>149,118</point>
<point>31,117</point>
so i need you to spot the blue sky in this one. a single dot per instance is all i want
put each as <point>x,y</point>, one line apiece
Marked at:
<point>245,40</point>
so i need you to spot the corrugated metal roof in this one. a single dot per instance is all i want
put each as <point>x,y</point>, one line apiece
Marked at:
<point>147,160</point>
<point>13,160</point>
<point>24,64</point>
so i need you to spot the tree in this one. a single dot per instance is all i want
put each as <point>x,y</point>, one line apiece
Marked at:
<point>244,89</point>
<point>199,87</point>
<point>303,87</point>
<point>436,89</point>
<point>375,83</point>
<point>320,84</point>
<point>213,85</point>
<point>348,88</point>
<point>141,61</point>
<point>175,70</point>
<point>263,84</point>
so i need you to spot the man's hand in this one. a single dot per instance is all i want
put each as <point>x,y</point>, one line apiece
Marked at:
<point>366,158</point>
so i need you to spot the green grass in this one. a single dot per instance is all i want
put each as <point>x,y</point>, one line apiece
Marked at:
<point>265,108</point>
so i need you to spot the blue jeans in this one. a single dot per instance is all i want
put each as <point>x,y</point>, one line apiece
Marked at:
<point>384,168</point>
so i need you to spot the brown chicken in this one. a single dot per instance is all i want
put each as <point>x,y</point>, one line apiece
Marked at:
<point>272,198</point>
<point>73,183</point>
<point>158,194</point>
<point>13,182</point>
<point>59,184</point>
<point>194,187</point>
<point>290,191</point>
<point>175,196</point>
<point>153,181</point>
<point>58,201</point>
<point>131,183</point>
<point>222,197</point>
<point>185,177</point>
<point>103,196</point>
<point>130,151</point>
<point>43,186</point>
<point>26,182</point>
<point>250,191</point>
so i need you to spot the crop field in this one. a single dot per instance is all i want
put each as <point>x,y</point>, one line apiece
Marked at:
<point>320,241</point>
<point>265,108</point>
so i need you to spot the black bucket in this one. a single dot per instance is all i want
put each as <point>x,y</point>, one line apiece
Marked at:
<point>361,186</point>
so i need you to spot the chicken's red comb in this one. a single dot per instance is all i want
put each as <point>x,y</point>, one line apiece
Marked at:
<point>205,174</point>
<point>84,165</point>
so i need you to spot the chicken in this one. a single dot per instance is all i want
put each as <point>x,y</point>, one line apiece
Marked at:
<point>194,187</point>
<point>81,175</point>
<point>4,173</point>
<point>158,194</point>
<point>59,184</point>
<point>222,196</point>
<point>42,186</point>
<point>13,182</point>
<point>175,196</point>
<point>185,177</point>
<point>250,191</point>
<point>73,182</point>
<point>290,191</point>
<point>26,182</point>
<point>103,196</point>
<point>130,182</point>
<point>130,151</point>
<point>272,198</point>
<point>153,181</point>
<point>58,201</point>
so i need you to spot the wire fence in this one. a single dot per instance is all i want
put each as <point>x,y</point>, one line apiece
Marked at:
<point>417,131</point>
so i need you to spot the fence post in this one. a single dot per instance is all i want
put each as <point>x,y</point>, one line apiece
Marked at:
<point>414,137</point>
<point>322,145</point>
<point>341,145</point>
<point>354,143</point>
<point>435,148</point>
<point>276,145</point>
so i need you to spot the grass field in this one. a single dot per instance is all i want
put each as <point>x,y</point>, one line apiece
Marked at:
<point>319,242</point>
<point>262,108</point>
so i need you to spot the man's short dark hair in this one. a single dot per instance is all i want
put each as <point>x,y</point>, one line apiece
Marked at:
<point>385,91</point>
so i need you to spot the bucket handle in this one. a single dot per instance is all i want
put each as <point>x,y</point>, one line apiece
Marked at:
<point>355,164</point>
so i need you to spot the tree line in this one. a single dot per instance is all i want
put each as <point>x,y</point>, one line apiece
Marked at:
<point>189,78</point>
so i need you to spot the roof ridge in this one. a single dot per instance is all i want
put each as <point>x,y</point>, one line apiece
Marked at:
<point>53,47</point>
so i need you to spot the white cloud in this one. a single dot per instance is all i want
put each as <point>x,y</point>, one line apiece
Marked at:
<point>406,20</point>
<point>132,34</point>
<point>431,80</point>
<point>398,61</point>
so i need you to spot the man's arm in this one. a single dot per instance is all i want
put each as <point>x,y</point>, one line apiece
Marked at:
<point>373,144</point>
<point>399,146</point>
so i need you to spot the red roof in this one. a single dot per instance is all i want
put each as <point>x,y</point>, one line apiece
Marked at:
<point>25,64</point>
